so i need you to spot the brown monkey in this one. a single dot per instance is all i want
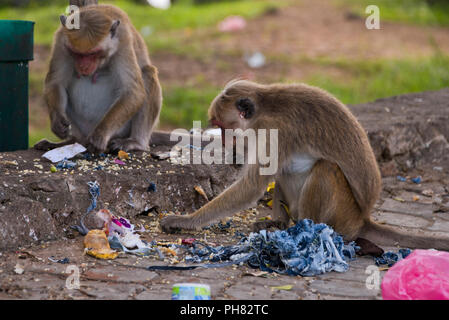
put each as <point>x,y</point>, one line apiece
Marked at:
<point>101,89</point>
<point>327,170</point>
<point>82,3</point>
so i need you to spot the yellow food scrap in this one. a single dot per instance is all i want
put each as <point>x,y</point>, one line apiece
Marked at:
<point>270,186</point>
<point>122,155</point>
<point>97,245</point>
<point>200,190</point>
<point>287,287</point>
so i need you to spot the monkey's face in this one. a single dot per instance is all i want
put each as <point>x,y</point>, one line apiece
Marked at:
<point>86,63</point>
<point>93,44</point>
<point>232,112</point>
<point>233,109</point>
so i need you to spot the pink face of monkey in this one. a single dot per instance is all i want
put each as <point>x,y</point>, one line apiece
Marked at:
<point>94,44</point>
<point>87,63</point>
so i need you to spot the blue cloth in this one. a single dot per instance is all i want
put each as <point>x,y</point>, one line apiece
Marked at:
<point>307,249</point>
<point>417,180</point>
<point>65,164</point>
<point>94,190</point>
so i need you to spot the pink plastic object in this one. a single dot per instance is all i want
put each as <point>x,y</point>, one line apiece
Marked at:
<point>232,23</point>
<point>423,275</point>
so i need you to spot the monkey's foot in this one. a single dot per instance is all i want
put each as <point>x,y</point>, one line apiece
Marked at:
<point>263,225</point>
<point>127,145</point>
<point>45,145</point>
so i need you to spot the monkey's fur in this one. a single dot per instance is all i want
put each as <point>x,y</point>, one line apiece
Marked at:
<point>101,89</point>
<point>327,170</point>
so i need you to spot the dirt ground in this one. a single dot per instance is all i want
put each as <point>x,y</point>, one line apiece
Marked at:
<point>409,135</point>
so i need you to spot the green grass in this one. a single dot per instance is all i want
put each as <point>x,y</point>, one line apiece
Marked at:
<point>418,12</point>
<point>369,81</point>
<point>362,80</point>
<point>366,81</point>
<point>182,15</point>
<point>38,134</point>
<point>184,105</point>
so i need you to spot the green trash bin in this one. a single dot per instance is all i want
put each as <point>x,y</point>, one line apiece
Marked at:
<point>16,49</point>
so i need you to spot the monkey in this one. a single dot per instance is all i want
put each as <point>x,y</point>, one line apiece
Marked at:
<point>101,89</point>
<point>327,171</point>
<point>82,3</point>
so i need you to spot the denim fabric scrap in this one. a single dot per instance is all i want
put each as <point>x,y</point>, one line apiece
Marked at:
<point>306,249</point>
<point>390,258</point>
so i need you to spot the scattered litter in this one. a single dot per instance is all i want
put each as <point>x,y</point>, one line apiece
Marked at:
<point>423,275</point>
<point>94,191</point>
<point>401,178</point>
<point>256,60</point>
<point>65,164</point>
<point>232,24</point>
<point>97,245</point>
<point>257,274</point>
<point>193,147</point>
<point>415,198</point>
<point>438,168</point>
<point>66,152</point>
<point>188,241</point>
<point>286,287</point>
<point>390,258</point>
<point>18,269</point>
<point>120,162</point>
<point>399,199</point>
<point>160,4</point>
<point>53,169</point>
<point>427,192</point>
<point>62,261</point>
<point>160,155</point>
<point>8,162</point>
<point>122,155</point>
<point>122,236</point>
<point>200,190</point>
<point>417,180</point>
<point>151,187</point>
<point>306,249</point>
<point>190,291</point>
<point>147,31</point>
<point>213,132</point>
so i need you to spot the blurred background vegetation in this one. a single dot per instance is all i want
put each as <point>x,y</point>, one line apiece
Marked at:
<point>320,42</point>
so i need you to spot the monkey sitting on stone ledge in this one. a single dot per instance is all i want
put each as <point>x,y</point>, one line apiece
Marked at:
<point>101,89</point>
<point>327,170</point>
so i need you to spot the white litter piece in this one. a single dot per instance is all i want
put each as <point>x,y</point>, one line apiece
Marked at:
<point>66,152</point>
<point>160,4</point>
<point>257,60</point>
<point>147,31</point>
<point>213,132</point>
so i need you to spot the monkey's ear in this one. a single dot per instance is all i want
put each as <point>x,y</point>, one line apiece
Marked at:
<point>63,19</point>
<point>246,107</point>
<point>114,28</point>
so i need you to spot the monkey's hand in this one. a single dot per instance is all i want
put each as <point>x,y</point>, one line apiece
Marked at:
<point>268,225</point>
<point>60,125</point>
<point>97,142</point>
<point>174,223</point>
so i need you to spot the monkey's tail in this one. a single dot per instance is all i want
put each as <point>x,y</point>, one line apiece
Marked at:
<point>380,234</point>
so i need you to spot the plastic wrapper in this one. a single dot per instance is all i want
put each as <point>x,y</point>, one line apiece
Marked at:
<point>423,275</point>
<point>97,245</point>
